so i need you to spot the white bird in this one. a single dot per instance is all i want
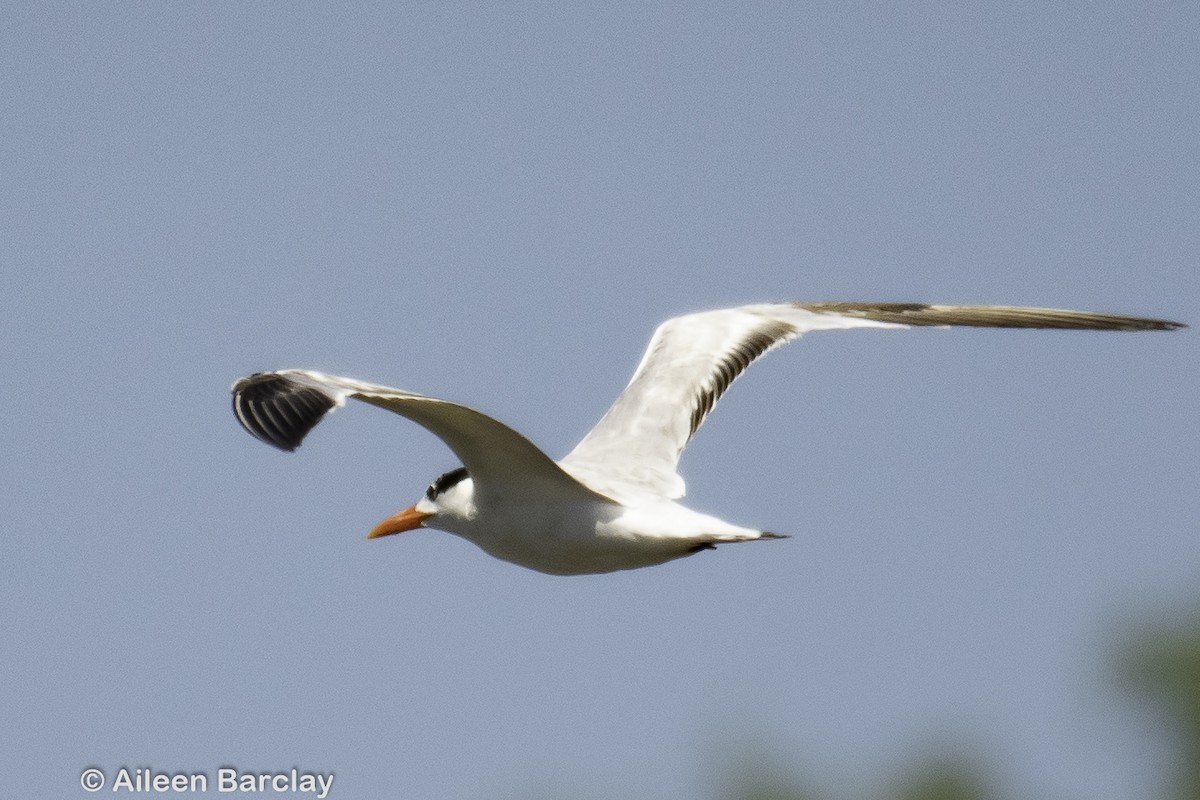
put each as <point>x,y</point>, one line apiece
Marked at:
<point>611,504</point>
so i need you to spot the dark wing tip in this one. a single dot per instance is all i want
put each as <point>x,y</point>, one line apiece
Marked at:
<point>278,410</point>
<point>992,316</point>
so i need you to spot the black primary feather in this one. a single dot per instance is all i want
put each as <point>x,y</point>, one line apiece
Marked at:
<point>991,316</point>
<point>278,410</point>
<point>731,365</point>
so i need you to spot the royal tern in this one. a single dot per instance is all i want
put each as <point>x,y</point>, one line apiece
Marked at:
<point>611,503</point>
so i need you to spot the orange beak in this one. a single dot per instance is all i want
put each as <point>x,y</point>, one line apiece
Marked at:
<point>406,520</point>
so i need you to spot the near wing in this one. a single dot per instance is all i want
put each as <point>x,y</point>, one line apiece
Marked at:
<point>691,360</point>
<point>280,408</point>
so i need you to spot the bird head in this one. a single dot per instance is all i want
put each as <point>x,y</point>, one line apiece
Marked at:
<point>447,497</point>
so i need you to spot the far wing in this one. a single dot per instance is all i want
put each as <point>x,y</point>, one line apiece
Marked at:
<point>280,408</point>
<point>691,361</point>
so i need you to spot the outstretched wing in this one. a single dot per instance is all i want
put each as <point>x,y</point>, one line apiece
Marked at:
<point>691,361</point>
<point>280,408</point>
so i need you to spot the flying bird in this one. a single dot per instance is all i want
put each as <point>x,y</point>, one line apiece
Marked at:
<point>612,503</point>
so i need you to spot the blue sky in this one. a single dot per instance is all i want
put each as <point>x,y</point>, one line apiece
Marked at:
<point>497,205</point>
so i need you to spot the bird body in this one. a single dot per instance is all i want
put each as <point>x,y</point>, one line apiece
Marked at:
<point>567,538</point>
<point>610,504</point>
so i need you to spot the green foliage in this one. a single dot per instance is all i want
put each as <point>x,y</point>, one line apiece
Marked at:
<point>772,792</point>
<point>944,780</point>
<point>1162,663</point>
